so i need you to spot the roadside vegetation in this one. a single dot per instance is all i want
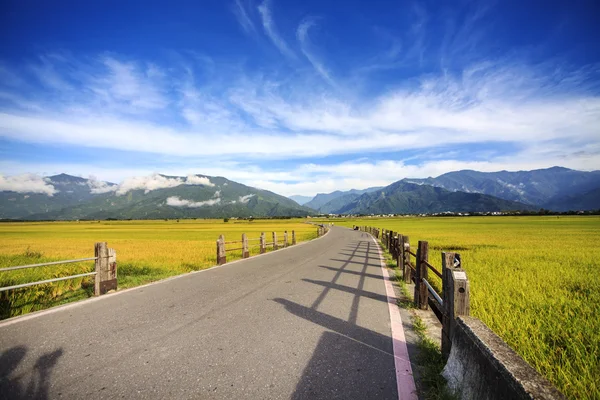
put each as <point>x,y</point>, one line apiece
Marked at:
<point>535,281</point>
<point>146,251</point>
<point>430,383</point>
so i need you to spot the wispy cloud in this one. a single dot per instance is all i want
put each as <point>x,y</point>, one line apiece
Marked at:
<point>130,84</point>
<point>270,29</point>
<point>513,103</point>
<point>242,16</point>
<point>303,38</point>
<point>195,113</point>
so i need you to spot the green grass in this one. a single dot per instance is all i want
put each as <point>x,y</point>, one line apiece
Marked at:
<point>535,281</point>
<point>146,251</point>
<point>431,364</point>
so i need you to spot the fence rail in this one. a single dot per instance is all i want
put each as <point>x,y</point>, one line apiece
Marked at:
<point>46,264</point>
<point>105,272</point>
<point>275,242</point>
<point>454,299</point>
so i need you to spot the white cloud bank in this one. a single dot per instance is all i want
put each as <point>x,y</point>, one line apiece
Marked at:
<point>26,183</point>
<point>198,180</point>
<point>99,187</point>
<point>157,181</point>
<point>176,201</point>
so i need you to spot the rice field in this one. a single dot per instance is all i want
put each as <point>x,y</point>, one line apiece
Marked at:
<point>535,281</point>
<point>146,251</point>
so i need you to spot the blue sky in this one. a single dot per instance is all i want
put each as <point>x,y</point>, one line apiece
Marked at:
<point>297,97</point>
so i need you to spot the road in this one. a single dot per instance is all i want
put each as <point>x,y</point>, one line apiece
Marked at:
<point>309,321</point>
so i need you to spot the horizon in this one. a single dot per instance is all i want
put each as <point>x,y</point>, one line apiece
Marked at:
<point>40,184</point>
<point>297,98</point>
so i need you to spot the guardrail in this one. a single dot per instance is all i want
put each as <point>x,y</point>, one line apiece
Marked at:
<point>105,271</point>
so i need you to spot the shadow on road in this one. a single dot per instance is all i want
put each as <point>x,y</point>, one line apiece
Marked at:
<point>350,361</point>
<point>371,276</point>
<point>12,384</point>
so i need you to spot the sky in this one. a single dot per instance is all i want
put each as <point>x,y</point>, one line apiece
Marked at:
<point>297,97</point>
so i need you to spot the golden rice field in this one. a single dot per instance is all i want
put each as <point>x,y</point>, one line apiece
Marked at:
<point>146,251</point>
<point>535,281</point>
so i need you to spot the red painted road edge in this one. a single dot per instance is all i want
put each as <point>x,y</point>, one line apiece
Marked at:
<point>404,375</point>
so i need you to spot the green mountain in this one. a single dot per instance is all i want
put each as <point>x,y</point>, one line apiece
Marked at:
<point>585,201</point>
<point>323,198</point>
<point>71,191</point>
<point>209,197</point>
<point>339,202</point>
<point>537,187</point>
<point>403,197</point>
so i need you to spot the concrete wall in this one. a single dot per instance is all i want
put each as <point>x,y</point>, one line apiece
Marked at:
<point>482,366</point>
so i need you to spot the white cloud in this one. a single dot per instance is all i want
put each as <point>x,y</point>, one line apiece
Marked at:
<point>130,84</point>
<point>98,187</point>
<point>217,194</point>
<point>148,183</point>
<point>302,35</point>
<point>26,183</point>
<point>271,30</point>
<point>198,180</point>
<point>245,199</point>
<point>242,16</point>
<point>279,119</point>
<point>178,202</point>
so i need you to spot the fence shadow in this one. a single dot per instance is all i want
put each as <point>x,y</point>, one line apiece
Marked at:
<point>349,361</point>
<point>14,386</point>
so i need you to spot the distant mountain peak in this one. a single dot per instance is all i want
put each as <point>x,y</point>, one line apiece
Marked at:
<point>65,178</point>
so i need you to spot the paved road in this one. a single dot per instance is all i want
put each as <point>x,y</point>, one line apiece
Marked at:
<point>310,321</point>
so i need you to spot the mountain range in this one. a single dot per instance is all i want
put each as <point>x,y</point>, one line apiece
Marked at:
<point>159,196</point>
<point>66,197</point>
<point>329,202</point>
<point>553,188</point>
<point>556,188</point>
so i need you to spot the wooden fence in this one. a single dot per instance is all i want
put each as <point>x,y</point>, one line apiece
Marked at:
<point>275,243</point>
<point>415,267</point>
<point>105,272</point>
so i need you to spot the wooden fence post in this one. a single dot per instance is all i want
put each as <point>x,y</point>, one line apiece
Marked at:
<point>275,247</point>
<point>421,293</point>
<point>448,262</point>
<point>106,269</point>
<point>221,257</point>
<point>263,246</point>
<point>400,254</point>
<point>390,241</point>
<point>406,260</point>
<point>293,238</point>
<point>456,303</point>
<point>285,239</point>
<point>245,252</point>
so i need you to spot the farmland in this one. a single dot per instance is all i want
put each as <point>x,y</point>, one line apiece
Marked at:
<point>535,281</point>
<point>146,251</point>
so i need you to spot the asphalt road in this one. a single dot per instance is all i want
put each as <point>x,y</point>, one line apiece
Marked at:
<point>310,321</point>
